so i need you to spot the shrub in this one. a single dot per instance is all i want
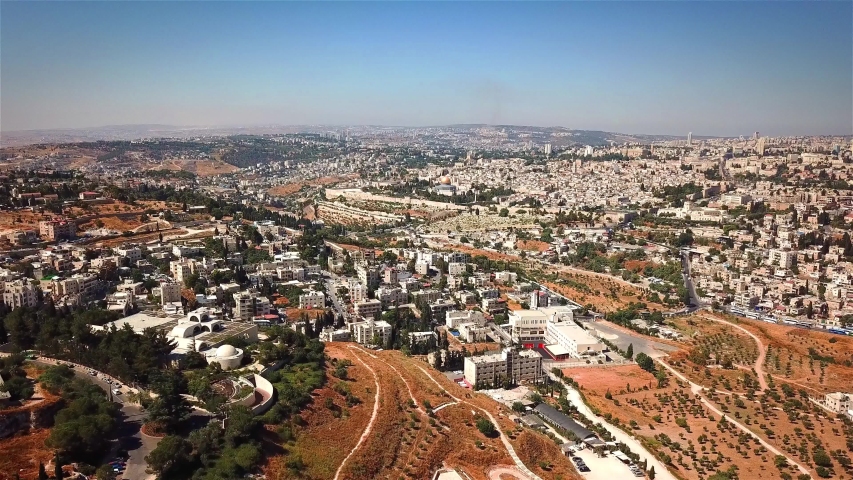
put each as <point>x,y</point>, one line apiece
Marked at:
<point>486,427</point>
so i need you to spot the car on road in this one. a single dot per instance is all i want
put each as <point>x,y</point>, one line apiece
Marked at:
<point>116,391</point>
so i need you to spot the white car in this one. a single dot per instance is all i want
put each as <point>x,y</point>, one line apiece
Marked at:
<point>116,391</point>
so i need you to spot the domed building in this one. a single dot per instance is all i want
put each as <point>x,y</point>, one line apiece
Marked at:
<point>445,187</point>
<point>226,356</point>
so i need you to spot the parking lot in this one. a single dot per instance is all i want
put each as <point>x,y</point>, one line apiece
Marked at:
<point>603,468</point>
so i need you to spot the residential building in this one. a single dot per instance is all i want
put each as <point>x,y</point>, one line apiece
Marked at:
<point>20,293</point>
<point>368,308</point>
<point>57,229</point>
<point>368,275</point>
<point>512,365</point>
<point>249,304</point>
<point>454,318</point>
<point>370,330</point>
<point>169,292</point>
<point>312,299</point>
<point>392,296</point>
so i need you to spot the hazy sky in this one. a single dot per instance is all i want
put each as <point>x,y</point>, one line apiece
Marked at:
<point>713,68</point>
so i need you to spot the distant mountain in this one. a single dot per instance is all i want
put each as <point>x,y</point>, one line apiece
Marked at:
<point>555,135</point>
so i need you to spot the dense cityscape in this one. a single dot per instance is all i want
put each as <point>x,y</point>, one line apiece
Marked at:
<point>426,240</point>
<point>235,276</point>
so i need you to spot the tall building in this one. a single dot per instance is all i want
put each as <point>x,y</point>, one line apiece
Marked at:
<point>547,149</point>
<point>588,151</point>
<point>759,146</point>
<point>689,138</point>
<point>755,136</point>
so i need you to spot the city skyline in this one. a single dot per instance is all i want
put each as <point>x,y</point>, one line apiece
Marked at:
<point>650,68</point>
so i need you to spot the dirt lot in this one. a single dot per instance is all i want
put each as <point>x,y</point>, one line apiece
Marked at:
<point>291,188</point>
<point>532,245</point>
<point>22,454</point>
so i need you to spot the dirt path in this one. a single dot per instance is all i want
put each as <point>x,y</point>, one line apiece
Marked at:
<point>373,416</point>
<point>697,389</point>
<point>762,350</point>
<point>521,466</point>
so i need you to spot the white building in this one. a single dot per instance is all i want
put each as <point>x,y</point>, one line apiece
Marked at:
<point>20,293</point>
<point>455,268</point>
<point>368,308</point>
<point>369,330</point>
<point>517,366</point>
<point>454,318</point>
<point>312,299</point>
<point>389,296</point>
<point>181,269</point>
<point>506,277</point>
<point>226,356</point>
<point>169,292</point>
<point>132,253</point>
<point>249,304</point>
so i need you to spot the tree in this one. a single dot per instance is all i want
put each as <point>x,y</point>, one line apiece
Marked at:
<point>629,354</point>
<point>170,408</point>
<point>652,473</point>
<point>517,406</point>
<point>57,467</point>
<point>504,212</point>
<point>645,362</point>
<point>42,472</point>
<point>170,452</point>
<point>105,472</point>
<point>486,427</point>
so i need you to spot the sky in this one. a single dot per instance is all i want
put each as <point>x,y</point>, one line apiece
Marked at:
<point>712,68</point>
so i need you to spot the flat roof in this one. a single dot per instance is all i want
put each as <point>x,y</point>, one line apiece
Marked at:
<point>557,350</point>
<point>563,421</point>
<point>140,321</point>
<point>574,332</point>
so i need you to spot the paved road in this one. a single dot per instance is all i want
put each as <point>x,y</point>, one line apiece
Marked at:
<point>694,301</point>
<point>129,432</point>
<point>622,338</point>
<point>620,435</point>
<point>333,296</point>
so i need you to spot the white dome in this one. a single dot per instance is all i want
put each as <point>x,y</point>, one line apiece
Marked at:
<point>226,351</point>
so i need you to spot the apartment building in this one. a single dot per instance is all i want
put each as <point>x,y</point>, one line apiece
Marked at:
<point>369,330</point>
<point>368,308</point>
<point>169,292</point>
<point>456,268</point>
<point>392,296</point>
<point>454,318</point>
<point>132,253</point>
<point>516,366</point>
<point>389,275</point>
<point>312,299</point>
<point>75,285</point>
<point>53,230</point>
<point>20,293</point>
<point>249,304</point>
<point>368,275</point>
<point>181,269</point>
